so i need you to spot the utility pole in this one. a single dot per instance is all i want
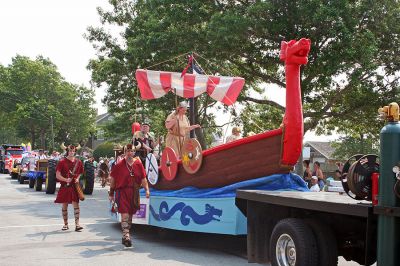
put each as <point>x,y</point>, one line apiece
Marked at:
<point>52,133</point>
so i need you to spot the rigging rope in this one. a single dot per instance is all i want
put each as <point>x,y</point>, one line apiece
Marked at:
<point>170,59</point>
<point>233,106</point>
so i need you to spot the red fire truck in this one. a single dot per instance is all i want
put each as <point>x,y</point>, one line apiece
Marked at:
<point>9,155</point>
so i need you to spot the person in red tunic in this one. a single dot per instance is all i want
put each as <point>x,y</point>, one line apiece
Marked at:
<point>126,178</point>
<point>68,172</point>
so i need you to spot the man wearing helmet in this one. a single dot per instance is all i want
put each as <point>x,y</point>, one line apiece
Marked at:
<point>126,178</point>
<point>68,172</point>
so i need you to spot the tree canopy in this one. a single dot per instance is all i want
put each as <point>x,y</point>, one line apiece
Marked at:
<point>36,95</point>
<point>352,70</point>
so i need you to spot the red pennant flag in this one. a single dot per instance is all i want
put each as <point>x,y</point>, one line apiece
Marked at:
<point>188,65</point>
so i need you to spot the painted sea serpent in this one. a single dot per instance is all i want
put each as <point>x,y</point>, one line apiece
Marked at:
<point>187,212</point>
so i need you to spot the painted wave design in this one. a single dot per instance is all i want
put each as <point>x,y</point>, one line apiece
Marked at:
<point>187,213</point>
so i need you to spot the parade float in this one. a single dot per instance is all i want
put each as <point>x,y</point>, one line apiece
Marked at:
<point>197,193</point>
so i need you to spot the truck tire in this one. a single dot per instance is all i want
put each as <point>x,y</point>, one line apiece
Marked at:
<point>2,167</point>
<point>292,241</point>
<point>51,180</point>
<point>31,182</point>
<point>38,183</point>
<point>21,179</point>
<point>326,243</point>
<point>88,182</point>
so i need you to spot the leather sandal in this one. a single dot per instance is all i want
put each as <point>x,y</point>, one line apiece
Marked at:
<point>126,242</point>
<point>65,227</point>
<point>78,228</point>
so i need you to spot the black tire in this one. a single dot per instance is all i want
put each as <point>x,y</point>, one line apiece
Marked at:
<point>326,243</point>
<point>21,179</point>
<point>51,180</point>
<point>14,175</point>
<point>38,183</point>
<point>88,179</point>
<point>31,182</point>
<point>300,234</point>
<point>2,166</point>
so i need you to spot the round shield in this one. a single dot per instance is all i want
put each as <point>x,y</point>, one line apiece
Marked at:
<point>192,156</point>
<point>151,168</point>
<point>169,163</point>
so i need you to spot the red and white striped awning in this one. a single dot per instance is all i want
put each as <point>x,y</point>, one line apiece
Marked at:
<point>155,84</point>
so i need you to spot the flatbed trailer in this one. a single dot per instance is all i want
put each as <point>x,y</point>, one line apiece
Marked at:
<point>308,228</point>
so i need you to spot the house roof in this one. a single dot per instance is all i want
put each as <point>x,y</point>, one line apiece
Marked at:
<point>324,148</point>
<point>102,117</point>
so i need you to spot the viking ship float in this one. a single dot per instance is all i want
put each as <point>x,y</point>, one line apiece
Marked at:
<point>267,153</point>
<point>197,192</point>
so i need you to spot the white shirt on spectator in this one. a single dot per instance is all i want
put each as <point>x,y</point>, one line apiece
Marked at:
<point>41,157</point>
<point>315,188</point>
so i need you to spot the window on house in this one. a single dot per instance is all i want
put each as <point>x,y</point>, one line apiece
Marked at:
<point>100,134</point>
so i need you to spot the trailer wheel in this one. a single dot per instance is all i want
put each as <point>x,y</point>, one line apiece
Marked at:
<point>31,182</point>
<point>2,166</point>
<point>51,180</point>
<point>21,179</point>
<point>326,243</point>
<point>38,183</point>
<point>292,243</point>
<point>88,182</point>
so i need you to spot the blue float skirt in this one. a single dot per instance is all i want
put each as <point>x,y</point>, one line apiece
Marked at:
<point>211,210</point>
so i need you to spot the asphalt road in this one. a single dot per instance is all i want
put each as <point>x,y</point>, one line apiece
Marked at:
<point>30,230</point>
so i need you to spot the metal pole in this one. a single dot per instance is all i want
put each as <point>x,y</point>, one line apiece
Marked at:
<point>192,103</point>
<point>52,133</point>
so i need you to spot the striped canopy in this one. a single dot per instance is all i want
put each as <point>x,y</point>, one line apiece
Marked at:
<point>155,84</point>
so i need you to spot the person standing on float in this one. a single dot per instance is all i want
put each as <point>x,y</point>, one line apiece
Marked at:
<point>178,126</point>
<point>68,172</point>
<point>126,178</point>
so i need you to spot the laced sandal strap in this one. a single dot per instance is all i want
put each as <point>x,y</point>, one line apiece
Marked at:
<point>65,227</point>
<point>78,228</point>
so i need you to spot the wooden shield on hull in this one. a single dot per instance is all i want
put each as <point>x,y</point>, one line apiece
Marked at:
<point>254,157</point>
<point>192,156</point>
<point>169,164</point>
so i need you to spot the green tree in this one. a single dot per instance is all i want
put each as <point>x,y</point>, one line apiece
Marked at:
<point>351,145</point>
<point>35,93</point>
<point>105,149</point>
<point>352,64</point>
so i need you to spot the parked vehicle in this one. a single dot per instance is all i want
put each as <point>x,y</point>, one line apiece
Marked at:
<point>27,164</point>
<point>10,155</point>
<point>38,175</point>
